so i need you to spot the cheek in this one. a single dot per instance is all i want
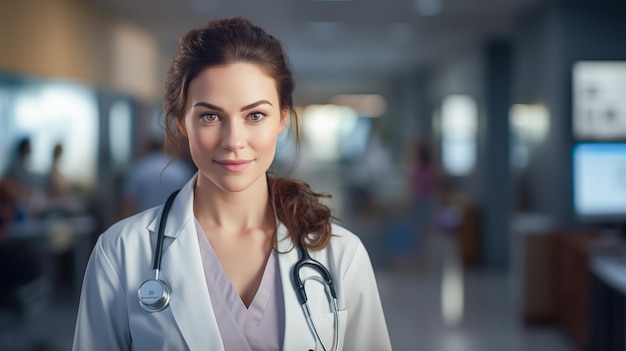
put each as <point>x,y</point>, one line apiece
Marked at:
<point>266,140</point>
<point>202,141</point>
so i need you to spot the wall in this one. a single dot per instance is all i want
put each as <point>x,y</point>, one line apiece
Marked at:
<point>497,176</point>
<point>71,39</point>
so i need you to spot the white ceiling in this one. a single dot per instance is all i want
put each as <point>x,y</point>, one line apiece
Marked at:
<point>340,46</point>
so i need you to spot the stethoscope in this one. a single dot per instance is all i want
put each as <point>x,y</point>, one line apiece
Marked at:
<point>155,294</point>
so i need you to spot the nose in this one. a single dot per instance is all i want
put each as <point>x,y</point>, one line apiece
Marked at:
<point>233,136</point>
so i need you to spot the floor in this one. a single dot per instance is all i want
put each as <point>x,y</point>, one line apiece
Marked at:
<point>490,323</point>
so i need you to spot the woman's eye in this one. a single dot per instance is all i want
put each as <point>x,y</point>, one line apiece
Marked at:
<point>256,116</point>
<point>209,117</point>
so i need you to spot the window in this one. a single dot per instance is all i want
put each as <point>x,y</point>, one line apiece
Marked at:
<point>458,134</point>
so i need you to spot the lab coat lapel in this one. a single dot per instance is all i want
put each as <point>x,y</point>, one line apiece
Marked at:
<point>182,268</point>
<point>297,333</point>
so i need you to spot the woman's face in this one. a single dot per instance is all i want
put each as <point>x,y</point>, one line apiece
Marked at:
<point>232,120</point>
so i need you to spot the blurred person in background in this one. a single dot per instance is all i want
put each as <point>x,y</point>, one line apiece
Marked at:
<point>29,195</point>
<point>62,199</point>
<point>410,232</point>
<point>425,183</point>
<point>368,174</point>
<point>19,168</point>
<point>236,234</point>
<point>58,186</point>
<point>152,178</point>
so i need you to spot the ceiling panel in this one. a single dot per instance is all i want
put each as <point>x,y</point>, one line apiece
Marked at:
<point>334,41</point>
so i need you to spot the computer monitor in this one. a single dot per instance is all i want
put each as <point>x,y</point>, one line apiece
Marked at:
<point>599,107</point>
<point>599,182</point>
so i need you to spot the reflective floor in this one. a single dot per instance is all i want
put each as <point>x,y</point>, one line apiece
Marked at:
<point>489,323</point>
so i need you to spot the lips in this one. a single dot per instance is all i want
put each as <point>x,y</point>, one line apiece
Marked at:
<point>233,165</point>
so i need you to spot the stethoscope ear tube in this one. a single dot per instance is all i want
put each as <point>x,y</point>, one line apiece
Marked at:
<point>158,252</point>
<point>326,279</point>
<point>306,261</point>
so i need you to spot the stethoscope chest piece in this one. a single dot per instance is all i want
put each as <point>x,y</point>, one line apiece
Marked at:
<point>154,295</point>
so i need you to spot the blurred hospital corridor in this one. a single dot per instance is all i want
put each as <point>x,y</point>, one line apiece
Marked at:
<point>477,148</point>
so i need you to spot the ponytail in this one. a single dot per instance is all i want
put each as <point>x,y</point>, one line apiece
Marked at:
<point>301,211</point>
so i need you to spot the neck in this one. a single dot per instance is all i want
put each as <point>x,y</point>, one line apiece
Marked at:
<point>234,212</point>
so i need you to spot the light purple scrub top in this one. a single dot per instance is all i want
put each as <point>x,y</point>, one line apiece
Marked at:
<point>258,327</point>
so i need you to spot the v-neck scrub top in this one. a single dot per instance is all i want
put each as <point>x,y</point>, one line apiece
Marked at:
<point>259,327</point>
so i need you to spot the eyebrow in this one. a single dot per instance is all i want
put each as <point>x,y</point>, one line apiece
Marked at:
<point>217,108</point>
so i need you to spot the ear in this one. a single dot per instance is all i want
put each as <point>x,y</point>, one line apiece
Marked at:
<point>284,118</point>
<point>180,122</point>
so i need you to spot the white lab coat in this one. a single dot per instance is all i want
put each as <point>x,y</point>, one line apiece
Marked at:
<point>110,318</point>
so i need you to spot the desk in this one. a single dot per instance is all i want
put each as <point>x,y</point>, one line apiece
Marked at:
<point>78,224</point>
<point>60,241</point>
<point>608,302</point>
<point>557,279</point>
<point>531,276</point>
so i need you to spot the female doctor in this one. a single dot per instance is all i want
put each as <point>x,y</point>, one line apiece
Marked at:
<point>224,265</point>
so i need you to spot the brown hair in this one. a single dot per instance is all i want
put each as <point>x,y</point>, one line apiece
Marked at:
<point>225,41</point>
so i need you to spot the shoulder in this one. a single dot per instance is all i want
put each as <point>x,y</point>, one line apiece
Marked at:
<point>345,247</point>
<point>128,230</point>
<point>124,245</point>
<point>343,236</point>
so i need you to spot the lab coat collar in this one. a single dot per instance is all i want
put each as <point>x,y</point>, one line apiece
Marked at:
<point>190,296</point>
<point>181,212</point>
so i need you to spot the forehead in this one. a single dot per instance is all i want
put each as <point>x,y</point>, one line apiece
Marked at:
<point>246,82</point>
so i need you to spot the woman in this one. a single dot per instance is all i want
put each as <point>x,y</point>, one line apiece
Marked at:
<point>233,232</point>
<point>58,187</point>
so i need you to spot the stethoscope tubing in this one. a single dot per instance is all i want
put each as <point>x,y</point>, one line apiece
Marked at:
<point>158,252</point>
<point>325,279</point>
